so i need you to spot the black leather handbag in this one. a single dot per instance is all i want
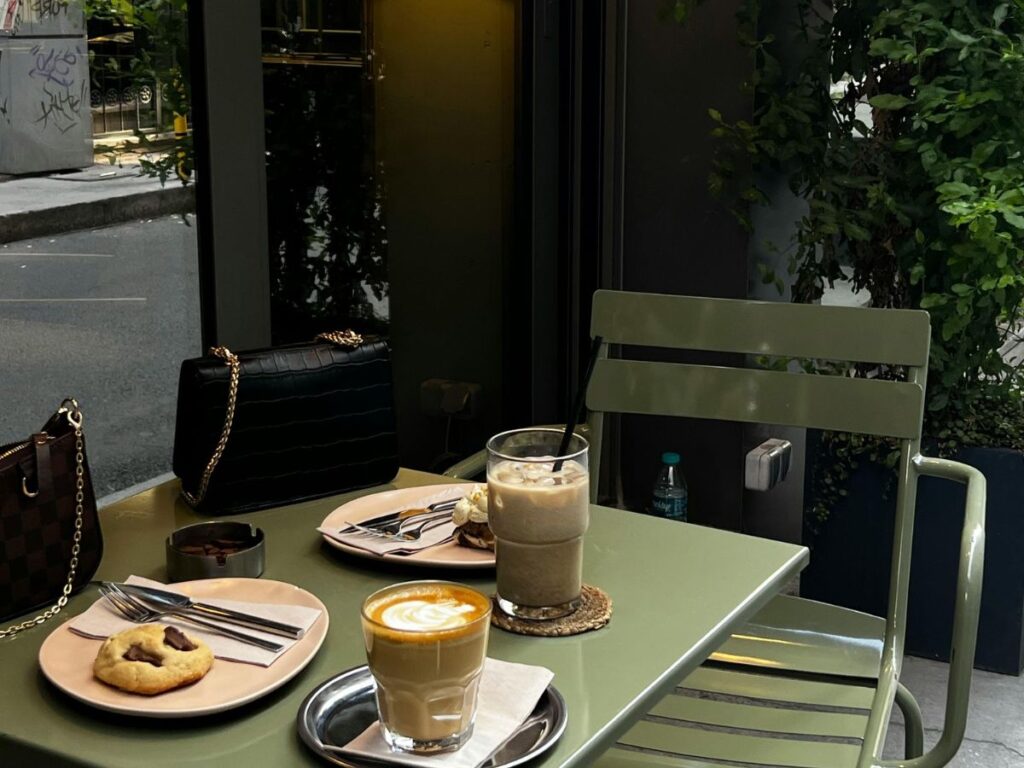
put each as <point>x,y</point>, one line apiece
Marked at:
<point>282,425</point>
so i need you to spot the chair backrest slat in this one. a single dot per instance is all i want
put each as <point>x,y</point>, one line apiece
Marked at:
<point>867,406</point>
<point>894,337</point>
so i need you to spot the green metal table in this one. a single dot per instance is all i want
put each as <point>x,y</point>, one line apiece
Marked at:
<point>678,591</point>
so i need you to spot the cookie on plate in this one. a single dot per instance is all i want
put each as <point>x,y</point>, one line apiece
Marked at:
<point>151,658</point>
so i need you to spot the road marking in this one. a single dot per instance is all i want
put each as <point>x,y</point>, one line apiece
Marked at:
<point>36,301</point>
<point>37,255</point>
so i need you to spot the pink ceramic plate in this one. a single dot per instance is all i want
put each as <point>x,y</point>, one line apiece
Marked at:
<point>449,555</point>
<point>66,660</point>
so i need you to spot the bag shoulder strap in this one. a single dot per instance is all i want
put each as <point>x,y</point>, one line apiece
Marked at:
<point>234,369</point>
<point>346,338</point>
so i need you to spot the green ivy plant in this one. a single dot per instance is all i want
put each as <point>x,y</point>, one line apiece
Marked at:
<point>901,126</point>
<point>161,58</point>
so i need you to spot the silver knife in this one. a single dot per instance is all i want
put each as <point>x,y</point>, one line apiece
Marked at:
<point>182,603</point>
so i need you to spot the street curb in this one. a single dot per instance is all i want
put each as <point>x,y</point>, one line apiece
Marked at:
<point>26,225</point>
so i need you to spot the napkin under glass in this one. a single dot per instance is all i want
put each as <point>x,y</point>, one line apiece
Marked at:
<point>101,620</point>
<point>508,695</point>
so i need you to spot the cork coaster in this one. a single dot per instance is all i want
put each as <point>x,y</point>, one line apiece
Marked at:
<point>594,612</point>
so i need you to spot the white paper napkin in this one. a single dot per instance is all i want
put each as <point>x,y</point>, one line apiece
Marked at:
<point>382,546</point>
<point>508,694</point>
<point>101,620</point>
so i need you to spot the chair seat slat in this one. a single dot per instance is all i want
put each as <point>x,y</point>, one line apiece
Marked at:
<point>752,685</point>
<point>799,635</point>
<point>761,717</point>
<point>737,747</point>
<point>622,758</point>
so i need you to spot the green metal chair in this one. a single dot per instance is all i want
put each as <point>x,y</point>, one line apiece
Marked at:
<point>823,677</point>
<point>803,684</point>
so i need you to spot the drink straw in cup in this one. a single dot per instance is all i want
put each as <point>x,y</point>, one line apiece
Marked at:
<point>579,403</point>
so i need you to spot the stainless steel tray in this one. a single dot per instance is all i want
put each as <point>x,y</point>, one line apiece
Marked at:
<point>341,708</point>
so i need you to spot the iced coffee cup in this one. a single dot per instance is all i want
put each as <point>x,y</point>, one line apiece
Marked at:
<point>539,509</point>
<point>425,645</point>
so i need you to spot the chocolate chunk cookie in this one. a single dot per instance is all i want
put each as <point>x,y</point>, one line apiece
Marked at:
<point>151,658</point>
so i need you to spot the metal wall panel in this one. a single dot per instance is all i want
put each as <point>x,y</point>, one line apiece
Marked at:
<point>45,120</point>
<point>45,17</point>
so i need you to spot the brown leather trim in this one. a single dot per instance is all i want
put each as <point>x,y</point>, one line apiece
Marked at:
<point>44,469</point>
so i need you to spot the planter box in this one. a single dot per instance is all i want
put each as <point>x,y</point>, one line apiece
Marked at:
<point>851,551</point>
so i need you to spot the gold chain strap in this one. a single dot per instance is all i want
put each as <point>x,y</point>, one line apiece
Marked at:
<point>347,338</point>
<point>74,416</point>
<point>232,360</point>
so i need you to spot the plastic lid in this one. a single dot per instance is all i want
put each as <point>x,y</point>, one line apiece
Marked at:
<point>670,458</point>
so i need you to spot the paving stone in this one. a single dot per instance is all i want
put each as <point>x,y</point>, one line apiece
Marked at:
<point>995,725</point>
<point>972,754</point>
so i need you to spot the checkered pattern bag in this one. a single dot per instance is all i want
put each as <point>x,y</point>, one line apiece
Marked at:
<point>50,541</point>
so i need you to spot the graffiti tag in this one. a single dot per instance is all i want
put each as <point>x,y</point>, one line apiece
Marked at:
<point>4,114</point>
<point>54,66</point>
<point>11,15</point>
<point>60,108</point>
<point>44,9</point>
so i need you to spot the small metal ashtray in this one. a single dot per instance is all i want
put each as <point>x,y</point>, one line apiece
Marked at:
<point>215,550</point>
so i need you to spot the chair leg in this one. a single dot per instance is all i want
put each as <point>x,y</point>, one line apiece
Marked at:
<point>912,720</point>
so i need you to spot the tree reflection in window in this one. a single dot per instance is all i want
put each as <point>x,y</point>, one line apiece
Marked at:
<point>325,187</point>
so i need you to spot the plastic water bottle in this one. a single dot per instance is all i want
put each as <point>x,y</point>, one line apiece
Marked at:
<point>670,495</point>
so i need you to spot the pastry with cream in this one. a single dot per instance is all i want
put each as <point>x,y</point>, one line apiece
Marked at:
<point>470,518</point>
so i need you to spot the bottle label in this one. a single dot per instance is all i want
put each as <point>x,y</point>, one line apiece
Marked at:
<point>672,507</point>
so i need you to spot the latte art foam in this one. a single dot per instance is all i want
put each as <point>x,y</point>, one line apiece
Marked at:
<point>423,611</point>
<point>423,614</point>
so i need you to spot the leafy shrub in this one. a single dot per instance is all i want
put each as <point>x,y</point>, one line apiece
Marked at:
<point>900,123</point>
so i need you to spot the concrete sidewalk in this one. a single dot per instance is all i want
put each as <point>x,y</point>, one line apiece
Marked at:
<point>35,206</point>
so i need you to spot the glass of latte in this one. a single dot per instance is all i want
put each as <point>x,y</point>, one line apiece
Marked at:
<point>425,645</point>
<point>539,509</point>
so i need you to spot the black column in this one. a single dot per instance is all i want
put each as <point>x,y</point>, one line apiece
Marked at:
<point>676,238</point>
<point>231,199</point>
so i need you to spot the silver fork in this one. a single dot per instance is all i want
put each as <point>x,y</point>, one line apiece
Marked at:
<point>412,532</point>
<point>137,612</point>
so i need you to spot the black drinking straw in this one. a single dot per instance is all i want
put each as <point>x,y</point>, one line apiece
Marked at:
<point>581,401</point>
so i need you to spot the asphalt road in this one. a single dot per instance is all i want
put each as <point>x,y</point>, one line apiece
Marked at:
<point>105,315</point>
